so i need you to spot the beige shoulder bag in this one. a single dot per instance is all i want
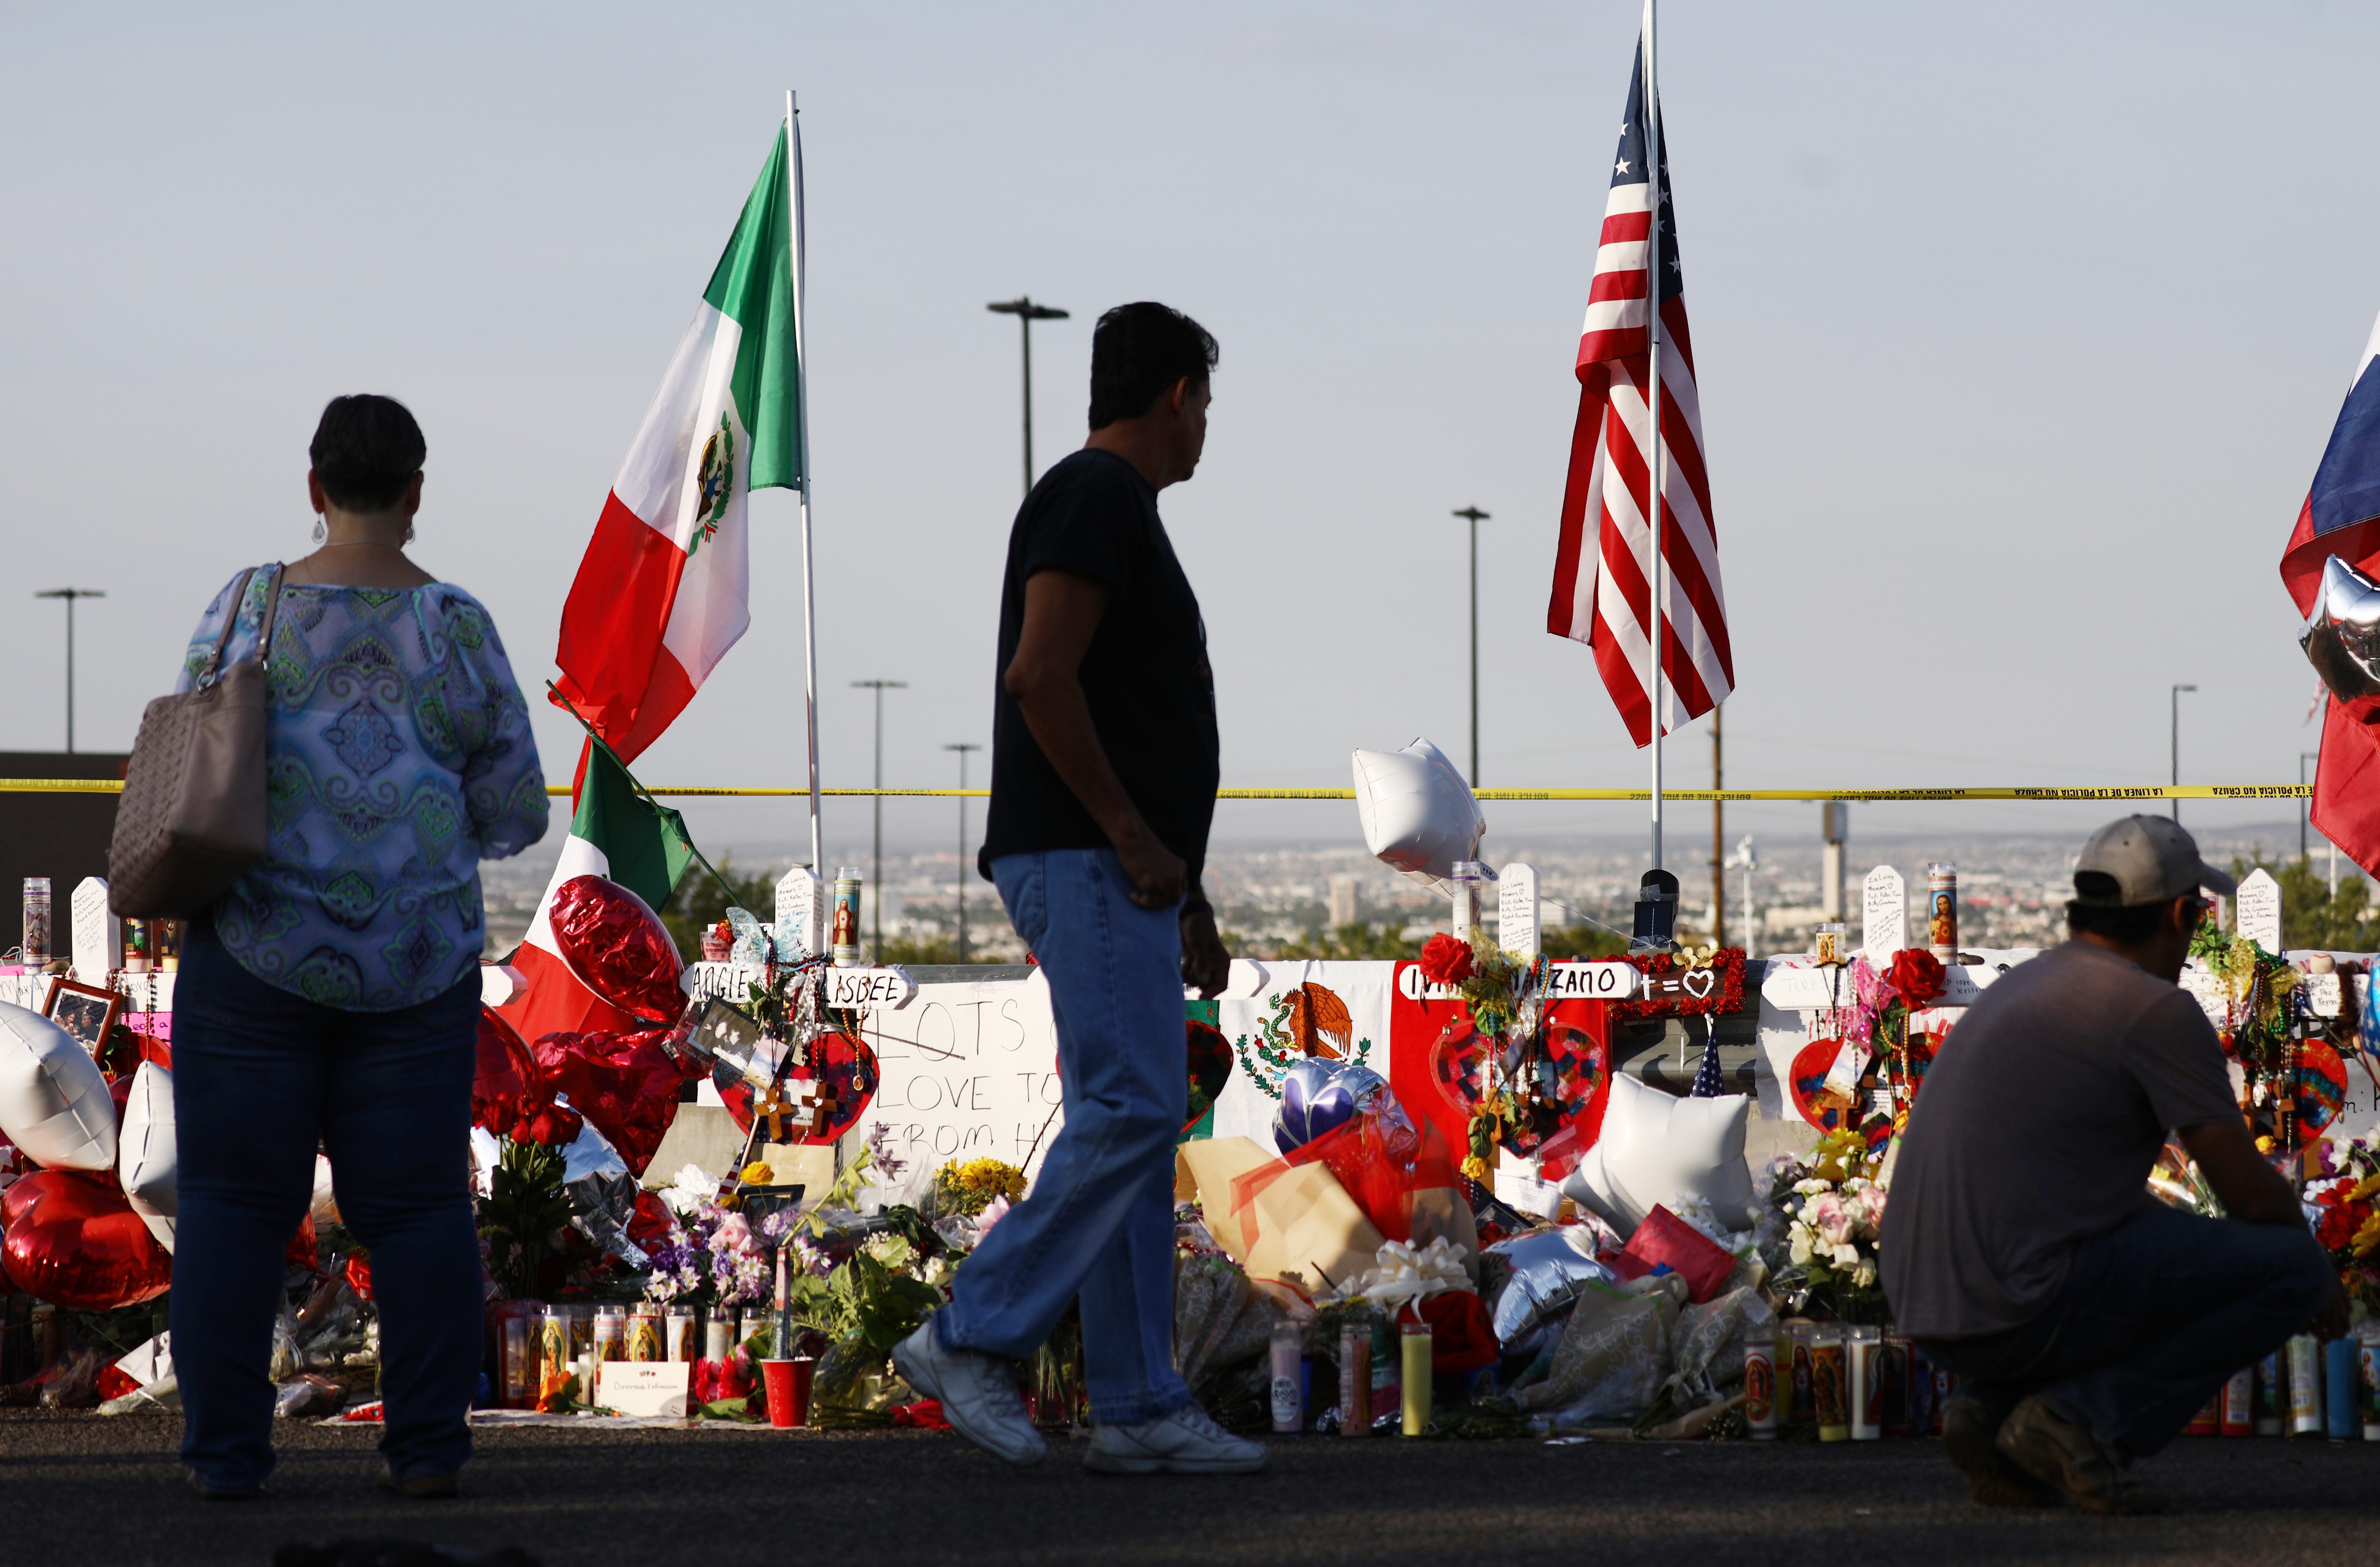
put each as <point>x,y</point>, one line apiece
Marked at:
<point>192,817</point>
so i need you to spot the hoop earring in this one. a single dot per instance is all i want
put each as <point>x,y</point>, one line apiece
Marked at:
<point>408,530</point>
<point>318,528</point>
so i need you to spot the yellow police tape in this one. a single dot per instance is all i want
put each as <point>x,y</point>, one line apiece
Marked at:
<point>1690,796</point>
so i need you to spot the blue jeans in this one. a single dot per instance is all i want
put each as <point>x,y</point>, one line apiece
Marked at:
<point>260,1076</point>
<point>1099,1222</point>
<point>2156,1316</point>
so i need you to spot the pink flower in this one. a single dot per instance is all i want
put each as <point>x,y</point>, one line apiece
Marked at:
<point>993,1212</point>
<point>734,1235</point>
<point>1827,1214</point>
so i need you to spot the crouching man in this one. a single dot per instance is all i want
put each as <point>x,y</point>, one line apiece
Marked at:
<point>2086,1320</point>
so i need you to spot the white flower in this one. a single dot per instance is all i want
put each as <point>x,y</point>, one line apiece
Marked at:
<point>1865,1274</point>
<point>691,1186</point>
<point>1847,1256</point>
<point>1811,1187</point>
<point>1802,1239</point>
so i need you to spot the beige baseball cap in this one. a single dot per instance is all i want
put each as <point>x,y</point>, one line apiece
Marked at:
<point>2151,860</point>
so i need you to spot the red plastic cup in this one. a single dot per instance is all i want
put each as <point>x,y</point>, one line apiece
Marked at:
<point>788,1386</point>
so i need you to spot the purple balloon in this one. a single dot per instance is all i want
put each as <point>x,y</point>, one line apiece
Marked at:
<point>1318,1096</point>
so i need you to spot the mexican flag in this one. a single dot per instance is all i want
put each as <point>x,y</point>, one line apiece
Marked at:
<point>616,832</point>
<point>663,591</point>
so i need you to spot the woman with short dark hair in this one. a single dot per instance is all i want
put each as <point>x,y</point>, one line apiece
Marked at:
<point>332,996</point>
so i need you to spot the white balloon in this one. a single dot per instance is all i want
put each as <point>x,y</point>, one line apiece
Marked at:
<point>1658,1150</point>
<point>53,1101</point>
<point>1419,814</point>
<point>144,1155</point>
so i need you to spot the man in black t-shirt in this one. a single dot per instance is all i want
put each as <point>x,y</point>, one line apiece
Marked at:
<point>1103,773</point>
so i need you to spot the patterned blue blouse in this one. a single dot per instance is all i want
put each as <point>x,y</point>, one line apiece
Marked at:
<point>398,756</point>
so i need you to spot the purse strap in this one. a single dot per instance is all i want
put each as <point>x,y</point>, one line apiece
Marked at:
<point>264,635</point>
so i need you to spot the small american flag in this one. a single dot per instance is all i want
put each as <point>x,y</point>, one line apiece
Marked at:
<point>1602,598</point>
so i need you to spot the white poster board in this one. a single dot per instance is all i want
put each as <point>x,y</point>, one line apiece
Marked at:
<point>98,934</point>
<point>967,1072</point>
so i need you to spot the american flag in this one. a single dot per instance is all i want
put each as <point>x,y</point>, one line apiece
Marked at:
<point>1601,598</point>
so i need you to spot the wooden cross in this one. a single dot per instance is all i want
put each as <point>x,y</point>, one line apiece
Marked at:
<point>773,1109</point>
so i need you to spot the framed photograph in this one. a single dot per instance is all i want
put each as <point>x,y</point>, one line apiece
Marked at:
<point>85,1011</point>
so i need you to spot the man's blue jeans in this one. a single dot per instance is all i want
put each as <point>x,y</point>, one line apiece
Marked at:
<point>2156,1316</point>
<point>1099,1222</point>
<point>261,1075</point>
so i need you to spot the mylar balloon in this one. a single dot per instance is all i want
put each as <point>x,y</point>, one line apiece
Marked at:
<point>69,1237</point>
<point>1318,1096</point>
<point>2342,638</point>
<point>504,1089</point>
<point>618,947</point>
<point>625,1085</point>
<point>145,1150</point>
<point>53,1101</point>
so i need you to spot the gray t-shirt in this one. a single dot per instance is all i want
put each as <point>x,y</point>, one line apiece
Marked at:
<point>2035,1130</point>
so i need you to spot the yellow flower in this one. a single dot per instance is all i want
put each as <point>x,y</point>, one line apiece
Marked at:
<point>1475,1169</point>
<point>2368,1186</point>
<point>2265,1144</point>
<point>2368,1237</point>
<point>756,1173</point>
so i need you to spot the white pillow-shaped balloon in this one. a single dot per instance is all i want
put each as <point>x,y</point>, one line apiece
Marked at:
<point>1419,814</point>
<point>53,1102</point>
<point>144,1152</point>
<point>1659,1150</point>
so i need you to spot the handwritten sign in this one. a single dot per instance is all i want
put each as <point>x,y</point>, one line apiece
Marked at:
<point>643,1387</point>
<point>1591,981</point>
<point>870,988</point>
<point>968,1071</point>
<point>1516,910</point>
<point>2259,909</point>
<point>800,928</point>
<point>98,934</point>
<point>1884,915</point>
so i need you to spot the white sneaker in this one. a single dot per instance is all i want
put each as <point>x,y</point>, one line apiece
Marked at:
<point>976,1396</point>
<point>1183,1443</point>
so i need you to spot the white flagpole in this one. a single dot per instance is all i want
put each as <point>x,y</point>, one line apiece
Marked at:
<point>1653,339</point>
<point>802,395</point>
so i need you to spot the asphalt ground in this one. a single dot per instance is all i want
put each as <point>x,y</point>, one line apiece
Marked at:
<point>76,1488</point>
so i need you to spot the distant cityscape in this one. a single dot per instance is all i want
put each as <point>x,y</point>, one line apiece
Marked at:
<point>2012,890</point>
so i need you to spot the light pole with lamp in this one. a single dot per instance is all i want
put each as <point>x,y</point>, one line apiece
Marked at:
<point>70,595</point>
<point>2177,690</point>
<point>880,687</point>
<point>963,750</point>
<point>1474,515</point>
<point>1026,312</point>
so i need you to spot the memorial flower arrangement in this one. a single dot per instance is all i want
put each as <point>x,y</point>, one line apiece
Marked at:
<point>969,1188</point>
<point>2349,1227</point>
<point>712,1255</point>
<point>1820,1235</point>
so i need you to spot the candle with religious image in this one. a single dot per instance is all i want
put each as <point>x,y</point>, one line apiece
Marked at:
<point>1942,911</point>
<point>36,921</point>
<point>1760,1388</point>
<point>1830,1384</point>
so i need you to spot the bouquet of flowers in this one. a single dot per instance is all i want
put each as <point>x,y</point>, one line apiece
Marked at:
<point>2349,1227</point>
<point>969,1188</point>
<point>1819,1237</point>
<point>714,1255</point>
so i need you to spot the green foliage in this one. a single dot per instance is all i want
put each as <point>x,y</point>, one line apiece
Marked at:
<point>525,1211</point>
<point>879,1306</point>
<point>1347,942</point>
<point>700,902</point>
<point>2311,918</point>
<point>1581,941</point>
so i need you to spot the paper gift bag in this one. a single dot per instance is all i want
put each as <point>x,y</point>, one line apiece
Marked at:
<point>1298,1219</point>
<point>1214,1164</point>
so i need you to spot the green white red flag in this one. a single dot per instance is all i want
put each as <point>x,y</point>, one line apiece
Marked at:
<point>664,588</point>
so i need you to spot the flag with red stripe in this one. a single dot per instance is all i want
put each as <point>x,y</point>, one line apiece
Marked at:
<point>663,591</point>
<point>2341,517</point>
<point>1604,565</point>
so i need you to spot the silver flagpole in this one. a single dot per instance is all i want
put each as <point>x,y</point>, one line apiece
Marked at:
<point>1653,339</point>
<point>802,415</point>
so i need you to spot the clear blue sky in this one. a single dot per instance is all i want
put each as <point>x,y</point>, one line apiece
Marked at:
<point>2020,329</point>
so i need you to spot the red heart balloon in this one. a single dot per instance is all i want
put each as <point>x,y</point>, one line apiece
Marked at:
<point>69,1237</point>
<point>505,1089</point>
<point>618,947</point>
<point>625,1084</point>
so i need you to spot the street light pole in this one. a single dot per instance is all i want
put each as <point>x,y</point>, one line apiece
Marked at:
<point>1474,516</point>
<point>880,687</point>
<point>2305,808</point>
<point>2177,690</point>
<point>963,750</point>
<point>1026,312</point>
<point>70,595</point>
